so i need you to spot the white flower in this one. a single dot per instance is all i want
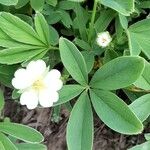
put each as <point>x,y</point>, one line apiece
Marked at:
<point>103,39</point>
<point>37,84</point>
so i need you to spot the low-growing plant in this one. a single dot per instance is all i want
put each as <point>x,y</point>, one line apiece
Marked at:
<point>101,49</point>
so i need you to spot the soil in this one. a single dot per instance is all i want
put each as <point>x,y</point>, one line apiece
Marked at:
<point>54,133</point>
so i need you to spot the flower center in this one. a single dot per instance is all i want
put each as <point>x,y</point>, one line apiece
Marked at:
<point>38,84</point>
<point>103,40</point>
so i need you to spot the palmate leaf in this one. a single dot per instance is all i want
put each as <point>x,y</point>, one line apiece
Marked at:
<point>7,41</point>
<point>89,59</point>
<point>118,73</point>
<point>115,113</point>
<point>21,132</point>
<point>18,29</point>
<point>143,81</point>
<point>2,146</point>
<point>21,3</point>
<point>27,146</point>
<point>52,2</point>
<point>144,146</point>
<point>124,7</point>
<point>7,73</point>
<point>8,2</point>
<point>123,21</point>
<point>54,36</point>
<point>65,18</point>
<point>80,125</point>
<point>81,21</point>
<point>42,28</point>
<point>76,0</point>
<point>38,6</point>
<point>7,144</point>
<point>22,42</point>
<point>68,92</point>
<point>18,54</point>
<point>104,19</point>
<point>138,36</point>
<point>141,107</point>
<point>147,136</point>
<point>73,61</point>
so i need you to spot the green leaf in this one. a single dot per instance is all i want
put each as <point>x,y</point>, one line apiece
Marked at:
<point>2,146</point>
<point>73,61</point>
<point>66,5</point>
<point>26,18</point>
<point>132,96</point>
<point>76,0</point>
<point>1,100</point>
<point>18,54</point>
<point>36,57</point>
<point>6,74</point>
<point>145,4</point>
<point>68,92</point>
<point>89,59</point>
<point>143,81</point>
<point>52,2</point>
<point>8,2</point>
<point>80,125</point>
<point>118,73</point>
<point>115,113</point>
<point>21,3</point>
<point>27,146</point>
<point>54,36</point>
<point>141,107</point>
<point>147,136</point>
<point>110,55</point>
<point>138,36</point>
<point>65,18</point>
<point>42,28</point>
<point>6,41</point>
<point>119,32</point>
<point>15,94</point>
<point>144,146</point>
<point>123,7</point>
<point>104,19</point>
<point>38,6</point>
<point>18,29</point>
<point>123,21</point>
<point>54,17</point>
<point>21,132</point>
<point>81,22</point>
<point>7,144</point>
<point>82,44</point>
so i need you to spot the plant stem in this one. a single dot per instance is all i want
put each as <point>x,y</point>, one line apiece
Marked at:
<point>53,48</point>
<point>92,20</point>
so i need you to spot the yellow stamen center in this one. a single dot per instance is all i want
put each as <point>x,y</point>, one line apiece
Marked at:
<point>38,85</point>
<point>103,40</point>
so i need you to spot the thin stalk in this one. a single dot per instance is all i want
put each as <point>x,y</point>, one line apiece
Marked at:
<point>92,20</point>
<point>53,48</point>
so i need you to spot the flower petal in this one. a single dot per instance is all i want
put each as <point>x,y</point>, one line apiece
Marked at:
<point>22,79</point>
<point>52,80</point>
<point>20,73</point>
<point>54,73</point>
<point>29,98</point>
<point>36,68</point>
<point>54,85</point>
<point>47,98</point>
<point>20,83</point>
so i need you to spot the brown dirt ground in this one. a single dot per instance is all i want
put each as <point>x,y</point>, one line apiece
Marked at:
<point>40,119</point>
